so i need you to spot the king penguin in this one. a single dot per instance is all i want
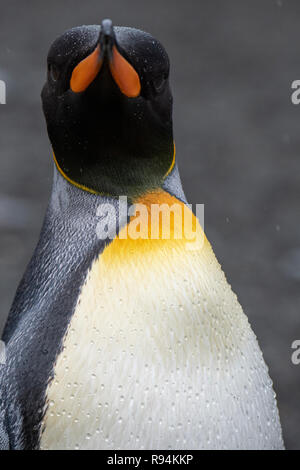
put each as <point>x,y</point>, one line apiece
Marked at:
<point>117,341</point>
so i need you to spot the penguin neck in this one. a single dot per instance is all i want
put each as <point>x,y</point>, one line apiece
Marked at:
<point>71,201</point>
<point>115,180</point>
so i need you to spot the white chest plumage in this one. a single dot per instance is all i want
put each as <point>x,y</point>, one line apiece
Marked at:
<point>159,355</point>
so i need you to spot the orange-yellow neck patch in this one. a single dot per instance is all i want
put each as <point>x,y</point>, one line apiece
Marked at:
<point>160,222</point>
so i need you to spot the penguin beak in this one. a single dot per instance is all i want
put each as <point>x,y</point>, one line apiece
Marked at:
<point>123,73</point>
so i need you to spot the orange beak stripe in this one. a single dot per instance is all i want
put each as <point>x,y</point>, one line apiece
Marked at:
<point>122,71</point>
<point>86,71</point>
<point>124,75</point>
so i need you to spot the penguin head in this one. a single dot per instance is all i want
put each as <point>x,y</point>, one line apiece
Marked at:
<point>108,107</point>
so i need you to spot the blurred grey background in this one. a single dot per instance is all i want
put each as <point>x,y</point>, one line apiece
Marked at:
<point>237,137</point>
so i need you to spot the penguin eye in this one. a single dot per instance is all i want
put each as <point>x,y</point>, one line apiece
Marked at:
<point>54,72</point>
